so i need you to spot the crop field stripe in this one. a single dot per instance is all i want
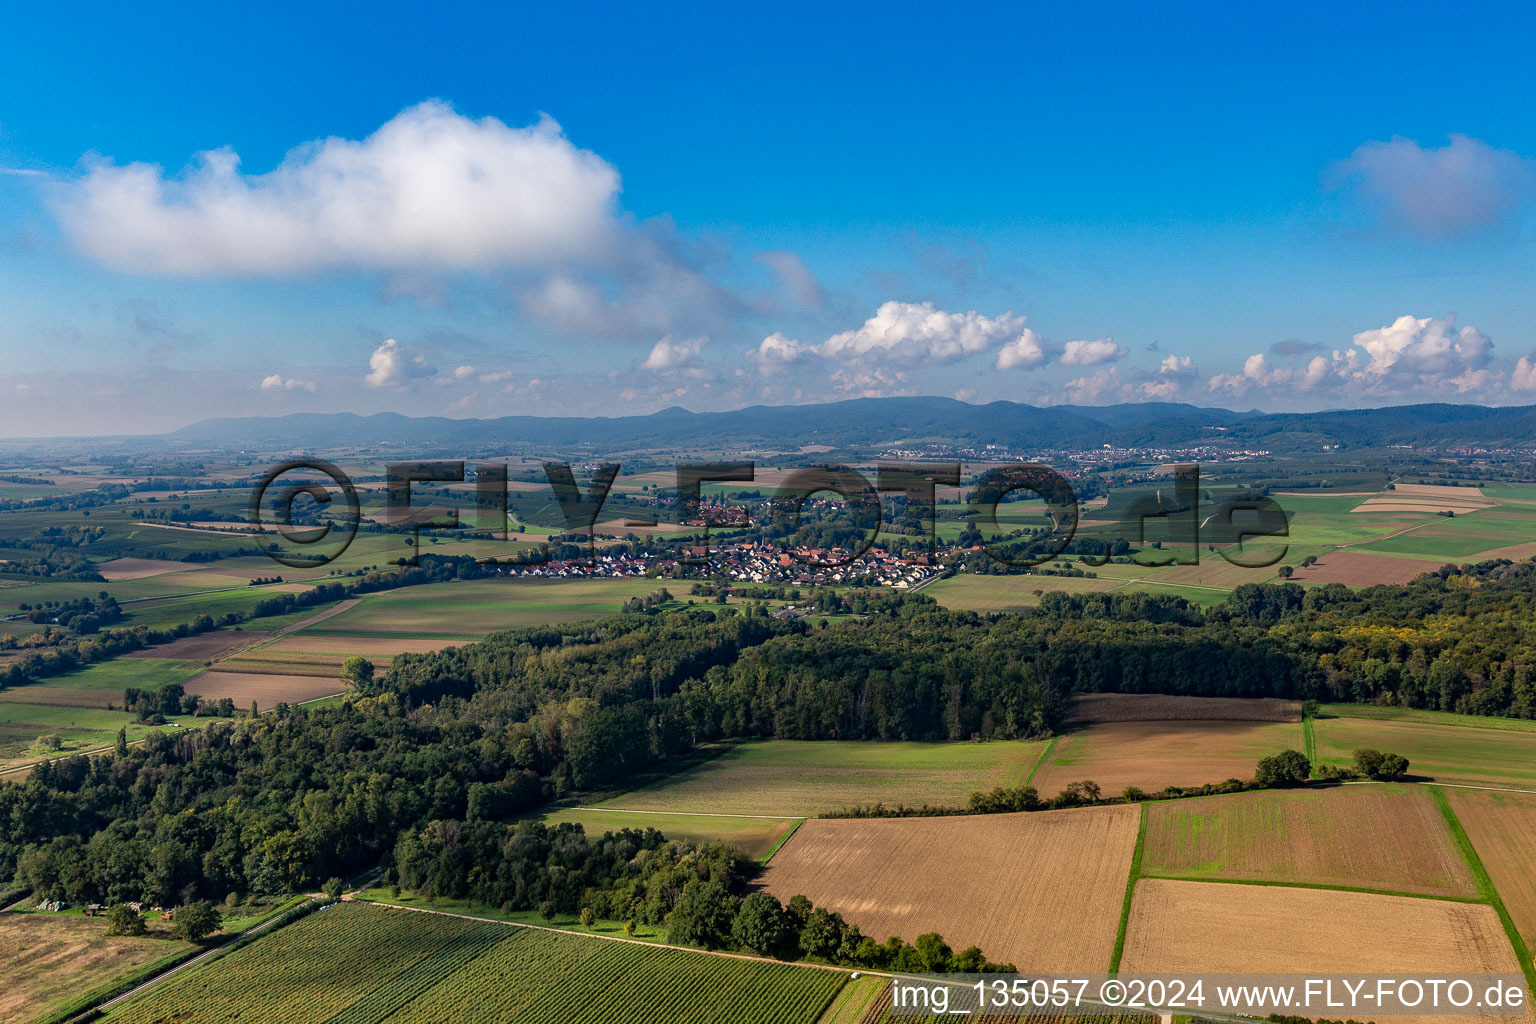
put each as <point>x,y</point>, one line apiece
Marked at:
<point>781,841</point>
<point>1315,885</point>
<point>1041,759</point>
<point>1130,889</point>
<point>1309,740</point>
<point>1485,883</point>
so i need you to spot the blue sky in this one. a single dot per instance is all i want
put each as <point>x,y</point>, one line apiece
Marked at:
<point>605,210</point>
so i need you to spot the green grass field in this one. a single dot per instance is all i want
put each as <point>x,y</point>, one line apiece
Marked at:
<point>757,836</point>
<point>795,779</point>
<point>1449,753</point>
<point>80,729</point>
<point>476,607</point>
<point>432,969</point>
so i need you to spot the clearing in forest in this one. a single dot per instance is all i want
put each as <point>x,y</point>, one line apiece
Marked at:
<point>53,959</point>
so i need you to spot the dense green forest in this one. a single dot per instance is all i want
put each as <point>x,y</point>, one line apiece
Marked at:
<point>487,731</point>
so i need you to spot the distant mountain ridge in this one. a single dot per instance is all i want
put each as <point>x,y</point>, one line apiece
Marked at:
<point>895,422</point>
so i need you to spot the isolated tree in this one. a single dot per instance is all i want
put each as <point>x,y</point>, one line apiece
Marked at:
<point>588,917</point>
<point>761,925</point>
<point>50,741</point>
<point>357,671</point>
<point>547,911</point>
<point>1287,768</point>
<point>195,921</point>
<point>124,920</point>
<point>1286,572</point>
<point>333,887</point>
<point>122,742</point>
<point>1374,764</point>
<point>629,928</point>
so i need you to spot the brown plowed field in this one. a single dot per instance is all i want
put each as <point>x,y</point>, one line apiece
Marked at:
<point>1158,707</point>
<point>204,647</point>
<point>1357,570</point>
<point>1155,755</point>
<point>1216,927</point>
<point>266,690</point>
<point>1367,837</point>
<point>1502,827</point>
<point>1041,890</point>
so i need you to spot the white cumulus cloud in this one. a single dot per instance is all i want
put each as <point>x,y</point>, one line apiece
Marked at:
<point>1410,356</point>
<point>277,382</point>
<point>1091,353</point>
<point>392,365</point>
<point>430,189</point>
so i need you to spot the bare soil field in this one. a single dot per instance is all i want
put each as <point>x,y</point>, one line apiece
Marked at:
<point>1041,890</point>
<point>1155,755</point>
<point>60,697</point>
<point>1439,491</point>
<point>1502,827</point>
<point>1357,570</point>
<point>267,690</point>
<point>1218,928</point>
<point>51,959</point>
<point>211,646</point>
<point>1160,707</point>
<point>1367,837</point>
<point>139,568</point>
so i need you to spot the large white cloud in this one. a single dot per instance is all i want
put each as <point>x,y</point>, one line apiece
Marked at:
<point>1410,356</point>
<point>906,335</point>
<point>1464,186</point>
<point>430,189</point>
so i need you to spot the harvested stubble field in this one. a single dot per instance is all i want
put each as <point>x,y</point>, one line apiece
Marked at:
<point>204,647</point>
<point>1216,927</point>
<point>1502,827</point>
<point>1041,890</point>
<point>1445,753</point>
<point>1092,708</point>
<point>266,689</point>
<point>973,593</point>
<point>802,778</point>
<point>754,835</point>
<point>1155,755</point>
<point>1358,570</point>
<point>476,607</point>
<point>52,959</point>
<point>1367,837</point>
<point>355,963</point>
